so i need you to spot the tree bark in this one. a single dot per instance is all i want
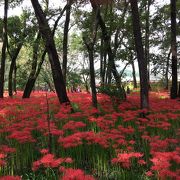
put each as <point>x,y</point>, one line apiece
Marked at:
<point>14,79</point>
<point>4,47</point>
<point>31,80</point>
<point>167,71</point>
<point>147,38</point>
<point>65,39</point>
<point>52,53</point>
<point>142,63</point>
<point>174,85</point>
<point>12,68</point>
<point>102,62</point>
<point>90,48</point>
<point>92,76</point>
<point>134,75</point>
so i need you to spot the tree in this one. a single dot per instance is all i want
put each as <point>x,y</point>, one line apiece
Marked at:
<point>107,40</point>
<point>142,62</point>
<point>36,68</point>
<point>47,36</point>
<point>147,33</point>
<point>16,35</point>
<point>32,77</point>
<point>4,47</point>
<point>174,86</point>
<point>65,39</point>
<point>90,43</point>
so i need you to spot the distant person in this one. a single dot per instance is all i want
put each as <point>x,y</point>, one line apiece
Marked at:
<point>78,89</point>
<point>128,90</point>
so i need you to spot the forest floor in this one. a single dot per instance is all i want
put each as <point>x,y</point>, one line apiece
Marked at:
<point>41,139</point>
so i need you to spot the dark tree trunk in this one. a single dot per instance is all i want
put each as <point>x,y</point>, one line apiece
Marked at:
<point>92,76</point>
<point>134,75</point>
<point>52,53</point>
<point>65,39</point>
<point>102,62</point>
<point>87,88</point>
<point>142,63</point>
<point>90,47</point>
<point>147,38</point>
<point>179,91</point>
<point>174,86</point>
<point>105,66</point>
<point>31,80</point>
<point>4,47</point>
<point>12,68</point>
<point>14,79</point>
<point>167,71</point>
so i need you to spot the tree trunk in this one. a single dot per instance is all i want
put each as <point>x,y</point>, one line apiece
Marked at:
<point>104,67</point>
<point>142,63</point>
<point>102,62</point>
<point>179,91</point>
<point>92,75</point>
<point>65,39</point>
<point>134,75</point>
<point>174,86</point>
<point>167,71</point>
<point>147,38</point>
<point>52,53</point>
<point>31,80</point>
<point>12,68</point>
<point>14,79</point>
<point>4,47</point>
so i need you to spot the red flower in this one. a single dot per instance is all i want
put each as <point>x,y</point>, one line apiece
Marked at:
<point>75,174</point>
<point>10,178</point>
<point>149,173</point>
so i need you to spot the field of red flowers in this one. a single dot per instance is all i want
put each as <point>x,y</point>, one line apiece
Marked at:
<point>40,139</point>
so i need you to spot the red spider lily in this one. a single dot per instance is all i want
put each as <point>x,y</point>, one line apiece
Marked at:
<point>72,125</point>
<point>44,151</point>
<point>149,173</point>
<point>75,174</point>
<point>162,163</point>
<point>141,162</point>
<point>68,160</point>
<point>2,163</point>
<point>48,160</point>
<point>159,145</point>
<point>124,158</point>
<point>22,136</point>
<point>10,178</point>
<point>2,155</point>
<point>72,140</point>
<point>128,130</point>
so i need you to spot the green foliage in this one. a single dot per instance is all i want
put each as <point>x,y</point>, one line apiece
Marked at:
<point>76,42</point>
<point>73,79</point>
<point>113,91</point>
